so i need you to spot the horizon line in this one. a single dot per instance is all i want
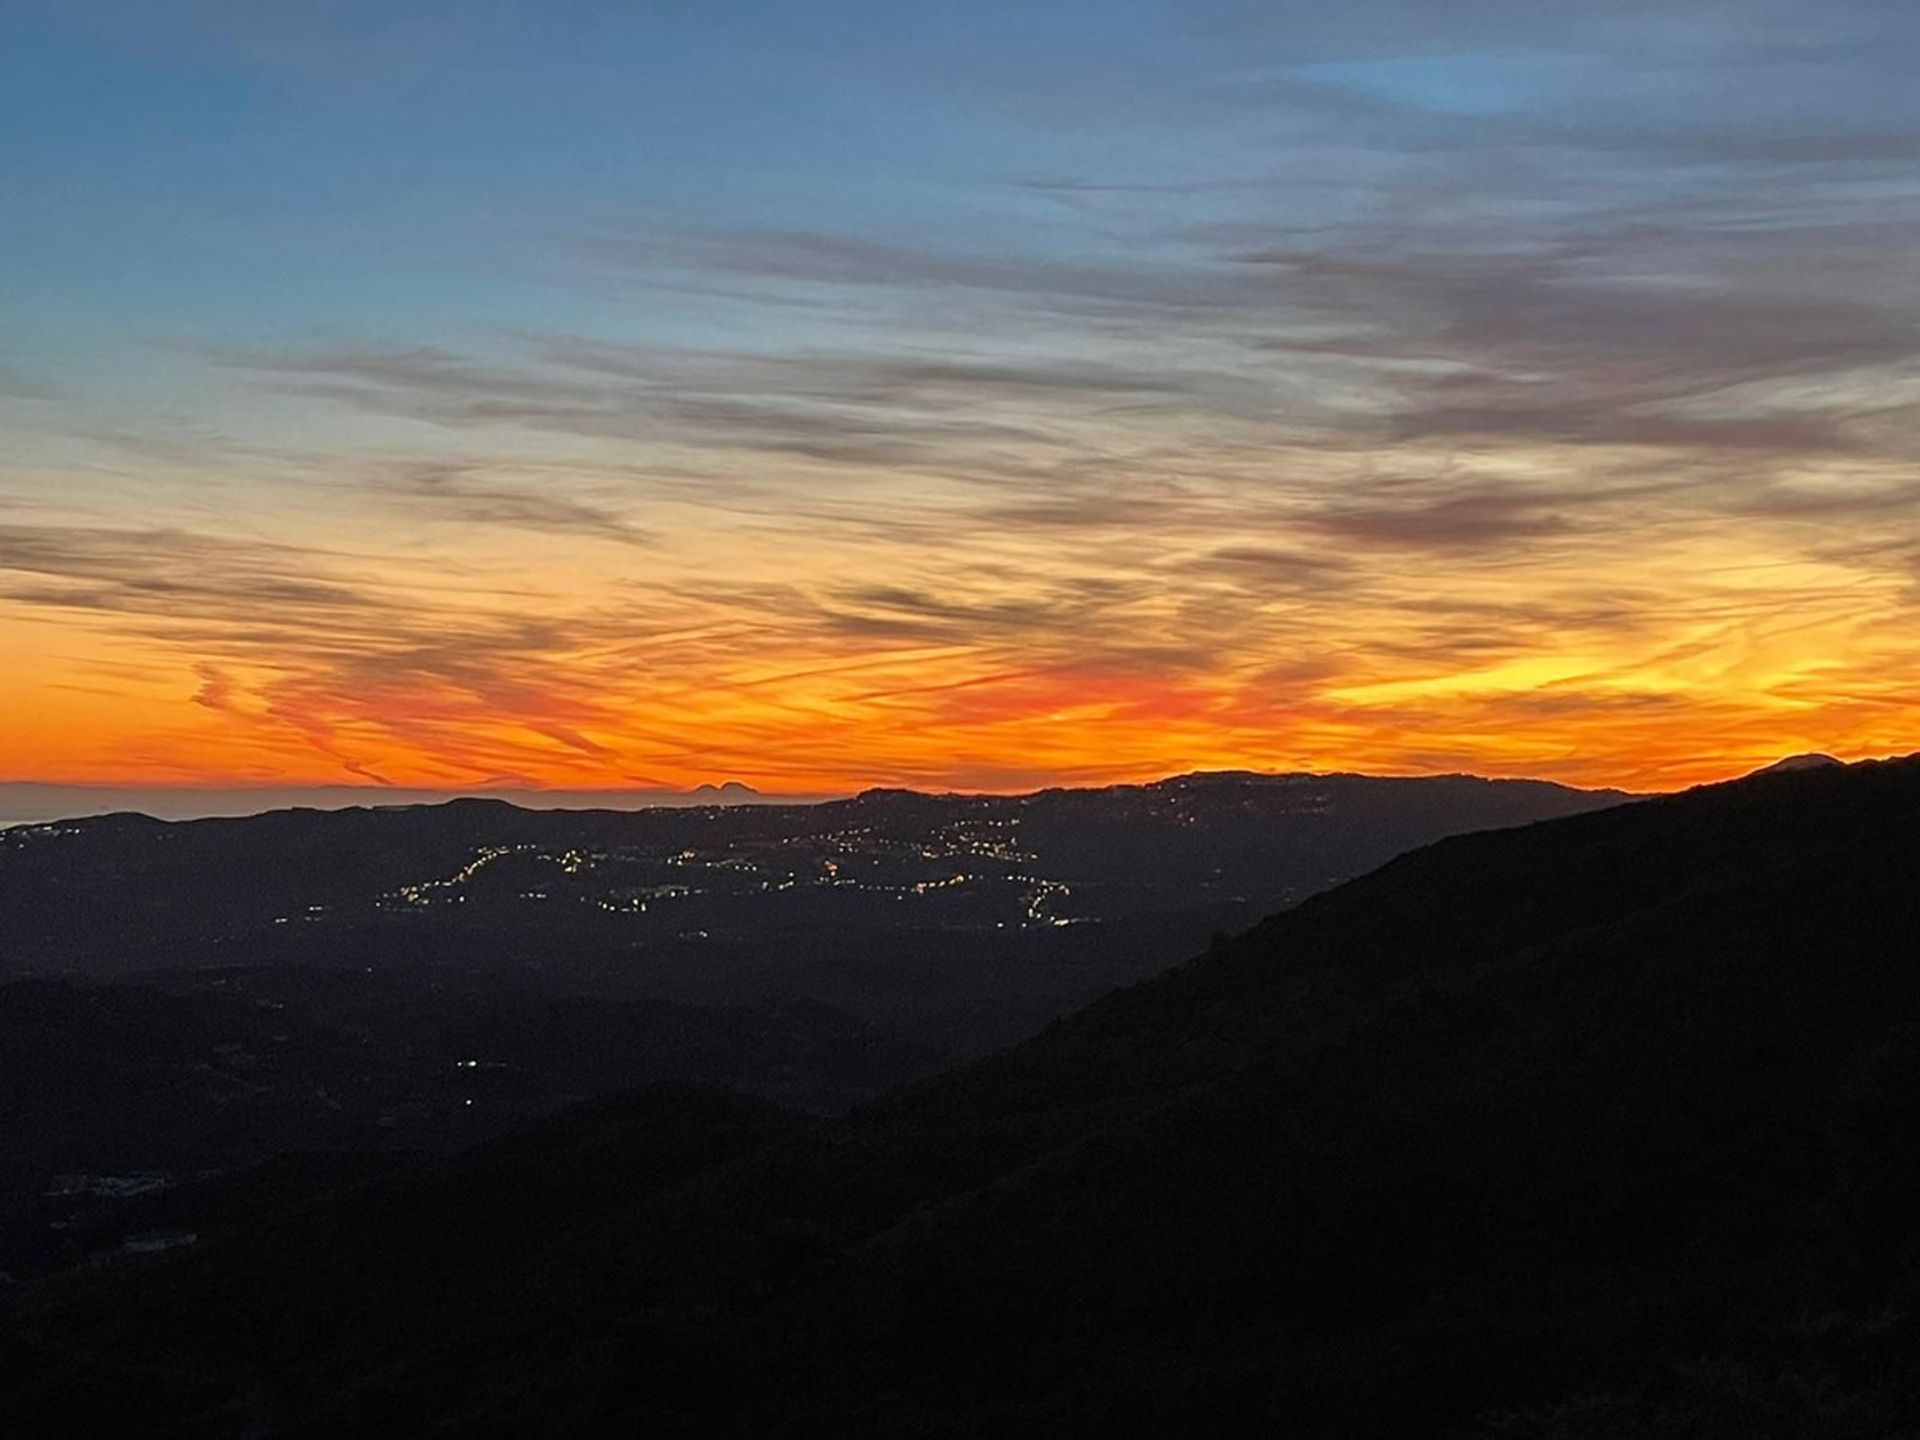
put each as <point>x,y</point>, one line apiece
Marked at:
<point>282,796</point>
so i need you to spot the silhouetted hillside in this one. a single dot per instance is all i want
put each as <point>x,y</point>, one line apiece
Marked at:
<point>1608,1126</point>
<point>108,1093</point>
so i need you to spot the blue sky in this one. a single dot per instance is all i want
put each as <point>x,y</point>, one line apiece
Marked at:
<point>229,172</point>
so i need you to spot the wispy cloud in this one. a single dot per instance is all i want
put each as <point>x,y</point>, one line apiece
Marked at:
<point>471,494</point>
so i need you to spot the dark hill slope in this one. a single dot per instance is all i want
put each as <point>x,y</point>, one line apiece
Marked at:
<point>1604,1127</point>
<point>1520,1114</point>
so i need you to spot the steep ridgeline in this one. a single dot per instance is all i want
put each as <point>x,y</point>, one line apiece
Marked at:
<point>1607,1126</point>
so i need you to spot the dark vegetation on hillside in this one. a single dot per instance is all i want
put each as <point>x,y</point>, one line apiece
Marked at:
<point>1605,1127</point>
<point>114,1089</point>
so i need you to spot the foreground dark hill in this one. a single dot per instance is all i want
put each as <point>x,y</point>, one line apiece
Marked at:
<point>1603,1127</point>
<point>116,1090</point>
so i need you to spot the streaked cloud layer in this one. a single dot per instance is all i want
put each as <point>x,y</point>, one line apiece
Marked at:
<point>587,396</point>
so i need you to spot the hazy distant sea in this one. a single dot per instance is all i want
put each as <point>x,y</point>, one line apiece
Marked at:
<point>25,802</point>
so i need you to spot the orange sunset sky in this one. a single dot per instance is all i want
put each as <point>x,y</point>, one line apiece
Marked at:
<point>468,401</point>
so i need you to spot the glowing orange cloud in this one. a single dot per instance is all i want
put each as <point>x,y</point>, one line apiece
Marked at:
<point>364,672</point>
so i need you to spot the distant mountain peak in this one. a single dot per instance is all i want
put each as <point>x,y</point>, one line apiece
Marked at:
<point>1813,760</point>
<point>731,788</point>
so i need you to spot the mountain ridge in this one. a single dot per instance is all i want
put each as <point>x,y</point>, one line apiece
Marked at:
<point>34,798</point>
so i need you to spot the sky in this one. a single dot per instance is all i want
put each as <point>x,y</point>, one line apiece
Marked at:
<point>501,394</point>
